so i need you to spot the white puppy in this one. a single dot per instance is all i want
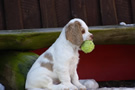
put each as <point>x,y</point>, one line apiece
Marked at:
<point>56,68</point>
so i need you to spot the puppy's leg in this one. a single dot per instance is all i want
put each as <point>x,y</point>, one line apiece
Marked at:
<point>75,81</point>
<point>64,77</point>
<point>47,84</point>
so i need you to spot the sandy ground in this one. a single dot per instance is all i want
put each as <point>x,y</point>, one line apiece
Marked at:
<point>121,88</point>
<point>108,85</point>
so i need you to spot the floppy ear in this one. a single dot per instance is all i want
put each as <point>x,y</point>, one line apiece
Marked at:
<point>73,33</point>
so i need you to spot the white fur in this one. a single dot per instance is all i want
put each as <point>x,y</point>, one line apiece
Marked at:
<point>2,87</point>
<point>65,60</point>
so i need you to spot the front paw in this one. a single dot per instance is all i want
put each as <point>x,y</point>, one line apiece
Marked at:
<point>91,84</point>
<point>82,87</point>
<point>72,87</point>
<point>79,85</point>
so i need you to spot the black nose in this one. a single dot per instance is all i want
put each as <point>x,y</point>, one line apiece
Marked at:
<point>91,36</point>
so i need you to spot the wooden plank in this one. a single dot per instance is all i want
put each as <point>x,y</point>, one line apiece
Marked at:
<point>62,12</point>
<point>133,10</point>
<point>78,9</point>
<point>93,12</point>
<point>31,13</point>
<point>123,8</point>
<point>48,13</point>
<point>30,39</point>
<point>108,12</point>
<point>14,67</point>
<point>13,14</point>
<point>2,24</point>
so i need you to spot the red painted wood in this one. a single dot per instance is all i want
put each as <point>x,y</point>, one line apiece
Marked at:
<point>107,62</point>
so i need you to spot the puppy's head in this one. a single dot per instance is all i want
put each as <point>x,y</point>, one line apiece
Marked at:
<point>77,32</point>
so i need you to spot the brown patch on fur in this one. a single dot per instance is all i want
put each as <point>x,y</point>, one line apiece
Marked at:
<point>48,56</point>
<point>74,33</point>
<point>49,66</point>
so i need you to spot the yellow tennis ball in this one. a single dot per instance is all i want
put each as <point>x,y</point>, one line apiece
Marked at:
<point>87,46</point>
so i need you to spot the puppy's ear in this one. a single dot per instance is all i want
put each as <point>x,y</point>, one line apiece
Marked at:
<point>73,33</point>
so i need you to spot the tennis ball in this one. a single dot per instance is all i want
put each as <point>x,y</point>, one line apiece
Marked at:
<point>87,46</point>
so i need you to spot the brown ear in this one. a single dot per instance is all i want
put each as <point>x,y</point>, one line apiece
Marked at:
<point>73,33</point>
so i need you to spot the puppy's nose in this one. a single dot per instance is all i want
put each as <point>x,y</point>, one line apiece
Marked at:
<point>91,37</point>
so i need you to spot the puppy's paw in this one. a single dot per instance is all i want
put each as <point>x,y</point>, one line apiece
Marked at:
<point>60,87</point>
<point>91,84</point>
<point>64,88</point>
<point>79,85</point>
<point>72,87</point>
<point>82,87</point>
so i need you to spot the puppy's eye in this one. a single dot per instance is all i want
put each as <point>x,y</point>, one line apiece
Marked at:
<point>83,31</point>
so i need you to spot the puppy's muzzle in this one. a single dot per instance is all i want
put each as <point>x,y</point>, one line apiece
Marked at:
<point>90,37</point>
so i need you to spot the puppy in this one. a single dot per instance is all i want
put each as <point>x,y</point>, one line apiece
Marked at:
<point>56,68</point>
